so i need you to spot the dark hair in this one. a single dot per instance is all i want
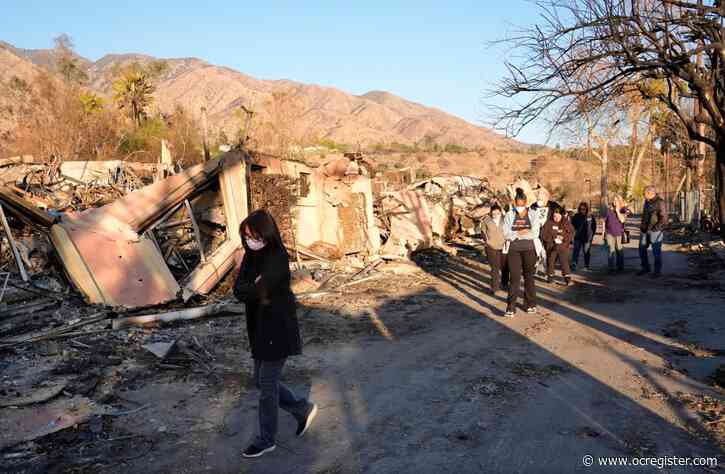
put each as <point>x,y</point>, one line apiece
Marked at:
<point>586,206</point>
<point>495,207</point>
<point>520,195</point>
<point>557,210</point>
<point>261,225</point>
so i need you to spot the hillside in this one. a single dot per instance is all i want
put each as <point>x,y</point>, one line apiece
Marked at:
<point>374,118</point>
<point>16,75</point>
<point>328,113</point>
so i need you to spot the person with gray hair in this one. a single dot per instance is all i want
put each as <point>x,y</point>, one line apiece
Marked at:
<point>614,232</point>
<point>654,220</point>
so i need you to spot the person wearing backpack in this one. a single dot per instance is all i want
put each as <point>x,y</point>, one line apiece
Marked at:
<point>521,231</point>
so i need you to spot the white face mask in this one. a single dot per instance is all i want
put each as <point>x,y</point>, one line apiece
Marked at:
<point>254,244</point>
<point>520,209</point>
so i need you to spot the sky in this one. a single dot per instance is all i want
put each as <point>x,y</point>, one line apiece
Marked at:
<point>436,53</point>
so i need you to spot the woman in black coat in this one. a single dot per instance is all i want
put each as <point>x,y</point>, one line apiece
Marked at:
<point>263,285</point>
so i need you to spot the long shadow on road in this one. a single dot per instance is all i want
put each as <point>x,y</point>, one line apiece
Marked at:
<point>449,386</point>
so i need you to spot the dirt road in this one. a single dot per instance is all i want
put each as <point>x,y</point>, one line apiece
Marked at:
<point>419,373</point>
<point>432,379</point>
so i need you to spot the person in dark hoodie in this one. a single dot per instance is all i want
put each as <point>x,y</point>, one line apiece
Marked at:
<point>263,285</point>
<point>654,220</point>
<point>557,235</point>
<point>585,227</point>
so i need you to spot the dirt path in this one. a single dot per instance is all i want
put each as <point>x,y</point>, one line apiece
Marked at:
<point>434,380</point>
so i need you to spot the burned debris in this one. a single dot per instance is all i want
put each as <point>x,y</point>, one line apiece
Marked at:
<point>136,235</point>
<point>101,261</point>
<point>430,212</point>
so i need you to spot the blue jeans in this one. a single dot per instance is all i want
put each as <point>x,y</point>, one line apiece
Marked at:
<point>653,238</point>
<point>579,246</point>
<point>272,394</point>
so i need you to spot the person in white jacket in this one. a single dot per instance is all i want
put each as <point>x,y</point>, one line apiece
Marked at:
<point>541,208</point>
<point>521,228</point>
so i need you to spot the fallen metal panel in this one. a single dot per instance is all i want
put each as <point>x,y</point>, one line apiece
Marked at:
<point>233,186</point>
<point>112,264</point>
<point>27,424</point>
<point>114,272</point>
<point>74,264</point>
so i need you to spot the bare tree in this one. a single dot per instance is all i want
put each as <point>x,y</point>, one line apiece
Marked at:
<point>619,45</point>
<point>66,61</point>
<point>640,115</point>
<point>281,129</point>
<point>601,127</point>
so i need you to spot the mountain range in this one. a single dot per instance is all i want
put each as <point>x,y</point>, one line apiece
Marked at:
<point>326,113</point>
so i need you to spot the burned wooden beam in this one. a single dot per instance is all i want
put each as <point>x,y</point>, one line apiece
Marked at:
<point>13,247</point>
<point>181,315</point>
<point>197,233</point>
<point>24,209</point>
<point>17,160</point>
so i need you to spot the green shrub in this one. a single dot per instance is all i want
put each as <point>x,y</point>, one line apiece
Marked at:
<point>145,137</point>
<point>333,145</point>
<point>453,148</point>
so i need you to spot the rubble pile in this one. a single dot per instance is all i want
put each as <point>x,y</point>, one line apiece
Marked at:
<point>57,187</point>
<point>166,235</point>
<point>172,234</point>
<point>433,211</point>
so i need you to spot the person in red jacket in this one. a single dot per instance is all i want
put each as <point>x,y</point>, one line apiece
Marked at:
<point>557,235</point>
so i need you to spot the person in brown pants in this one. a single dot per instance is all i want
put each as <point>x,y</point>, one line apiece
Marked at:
<point>492,231</point>
<point>557,235</point>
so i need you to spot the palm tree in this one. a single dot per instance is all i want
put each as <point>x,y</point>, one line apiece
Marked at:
<point>132,92</point>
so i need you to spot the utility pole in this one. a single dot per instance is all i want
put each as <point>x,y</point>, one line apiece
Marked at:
<point>700,160</point>
<point>668,198</point>
<point>205,134</point>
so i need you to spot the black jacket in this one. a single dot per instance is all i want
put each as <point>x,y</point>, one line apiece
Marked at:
<point>271,307</point>
<point>654,217</point>
<point>585,227</point>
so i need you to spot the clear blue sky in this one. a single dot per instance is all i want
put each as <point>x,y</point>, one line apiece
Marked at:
<point>435,53</point>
